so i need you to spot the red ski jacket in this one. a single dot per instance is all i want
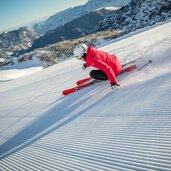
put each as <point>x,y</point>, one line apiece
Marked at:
<point>108,63</point>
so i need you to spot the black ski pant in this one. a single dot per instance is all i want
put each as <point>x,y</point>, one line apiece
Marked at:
<point>98,75</point>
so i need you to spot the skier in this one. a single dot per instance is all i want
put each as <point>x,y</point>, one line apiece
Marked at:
<point>108,65</point>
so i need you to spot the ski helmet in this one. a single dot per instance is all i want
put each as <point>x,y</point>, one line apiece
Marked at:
<point>80,50</point>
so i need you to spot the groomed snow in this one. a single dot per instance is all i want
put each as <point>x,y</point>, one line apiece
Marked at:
<point>96,128</point>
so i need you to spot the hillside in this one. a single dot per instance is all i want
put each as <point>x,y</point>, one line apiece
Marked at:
<point>16,40</point>
<point>136,15</point>
<point>97,128</point>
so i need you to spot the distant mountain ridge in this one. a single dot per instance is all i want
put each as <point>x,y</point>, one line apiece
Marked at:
<point>74,29</point>
<point>137,14</point>
<point>16,40</point>
<point>70,14</point>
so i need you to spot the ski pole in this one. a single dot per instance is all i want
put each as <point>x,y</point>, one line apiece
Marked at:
<point>150,61</point>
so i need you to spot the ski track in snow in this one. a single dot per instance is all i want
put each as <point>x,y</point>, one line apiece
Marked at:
<point>96,128</point>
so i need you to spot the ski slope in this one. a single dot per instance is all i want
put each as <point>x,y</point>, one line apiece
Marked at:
<point>96,128</point>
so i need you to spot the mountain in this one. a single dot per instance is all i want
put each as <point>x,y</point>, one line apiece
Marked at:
<point>70,14</point>
<point>74,29</point>
<point>137,14</point>
<point>16,40</point>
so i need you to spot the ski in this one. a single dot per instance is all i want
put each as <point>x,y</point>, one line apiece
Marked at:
<point>79,87</point>
<point>128,69</point>
<point>84,80</point>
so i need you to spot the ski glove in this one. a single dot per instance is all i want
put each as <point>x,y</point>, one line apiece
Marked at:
<point>84,66</point>
<point>115,85</point>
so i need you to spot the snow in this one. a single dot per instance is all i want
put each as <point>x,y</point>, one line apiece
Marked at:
<point>15,73</point>
<point>96,128</point>
<point>19,69</point>
<point>109,8</point>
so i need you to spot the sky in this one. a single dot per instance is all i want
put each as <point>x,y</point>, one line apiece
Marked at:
<point>15,13</point>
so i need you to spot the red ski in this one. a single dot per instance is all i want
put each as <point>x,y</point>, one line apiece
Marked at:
<point>79,87</point>
<point>82,81</point>
<point>130,68</point>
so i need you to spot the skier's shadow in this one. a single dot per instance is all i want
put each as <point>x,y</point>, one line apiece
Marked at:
<point>56,117</point>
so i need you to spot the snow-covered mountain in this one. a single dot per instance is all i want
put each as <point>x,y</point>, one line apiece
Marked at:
<point>16,40</point>
<point>70,14</point>
<point>96,128</point>
<point>74,29</point>
<point>137,14</point>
